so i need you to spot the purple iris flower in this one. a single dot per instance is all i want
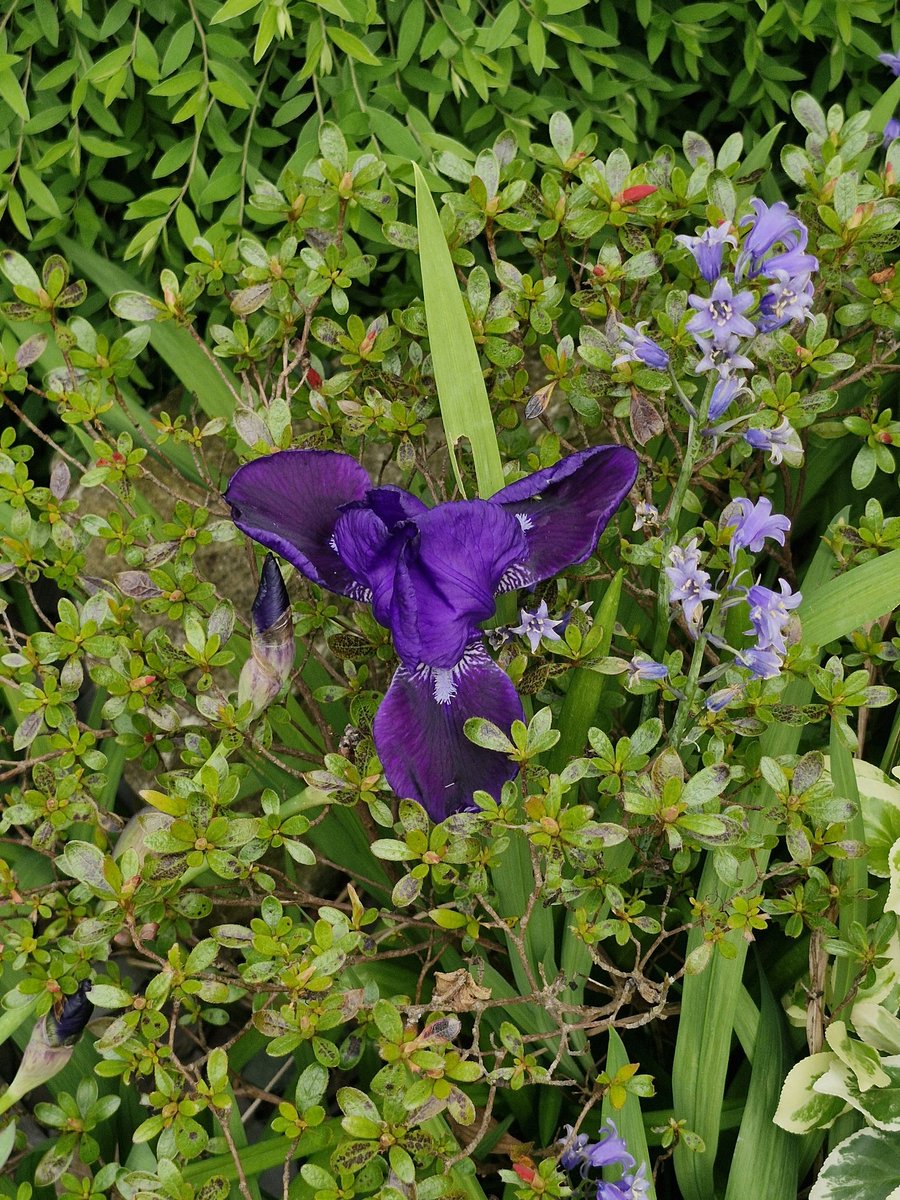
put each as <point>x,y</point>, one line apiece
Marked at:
<point>723,356</point>
<point>782,443</point>
<point>708,248</point>
<point>892,61</point>
<point>722,314</point>
<point>771,227</point>
<point>690,584</point>
<point>891,131</point>
<point>770,614</point>
<point>635,346</point>
<point>537,625</point>
<point>788,299</point>
<point>431,576</point>
<point>753,523</point>
<point>726,390</point>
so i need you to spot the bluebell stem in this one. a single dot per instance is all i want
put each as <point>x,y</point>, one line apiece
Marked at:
<point>51,1045</point>
<point>271,641</point>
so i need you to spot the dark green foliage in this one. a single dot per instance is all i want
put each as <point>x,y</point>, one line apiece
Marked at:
<point>142,121</point>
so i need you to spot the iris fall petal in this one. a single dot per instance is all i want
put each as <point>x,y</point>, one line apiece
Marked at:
<point>289,502</point>
<point>420,740</point>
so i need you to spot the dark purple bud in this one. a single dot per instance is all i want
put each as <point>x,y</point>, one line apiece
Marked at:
<point>75,1013</point>
<point>271,641</point>
<point>271,601</point>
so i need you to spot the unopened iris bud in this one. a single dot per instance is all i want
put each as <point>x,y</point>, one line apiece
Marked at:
<point>271,641</point>
<point>51,1045</point>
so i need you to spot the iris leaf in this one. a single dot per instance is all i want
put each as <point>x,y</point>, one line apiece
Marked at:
<point>465,410</point>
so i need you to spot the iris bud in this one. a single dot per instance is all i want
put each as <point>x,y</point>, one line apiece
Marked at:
<point>271,641</point>
<point>51,1045</point>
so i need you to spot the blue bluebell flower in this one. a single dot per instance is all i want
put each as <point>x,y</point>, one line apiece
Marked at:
<point>770,228</point>
<point>431,576</point>
<point>722,313</point>
<point>891,131</point>
<point>634,346</point>
<point>537,625</point>
<point>724,356</point>
<point>782,443</point>
<point>892,61</point>
<point>632,1186</point>
<point>787,299</point>
<point>642,669</point>
<point>582,1154</point>
<point>727,389</point>
<point>689,583</point>
<point>720,699</point>
<point>770,614</point>
<point>761,661</point>
<point>708,248</point>
<point>753,523</point>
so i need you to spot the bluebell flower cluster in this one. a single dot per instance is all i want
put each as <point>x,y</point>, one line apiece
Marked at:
<point>773,252</point>
<point>750,525</point>
<point>581,1155</point>
<point>689,583</point>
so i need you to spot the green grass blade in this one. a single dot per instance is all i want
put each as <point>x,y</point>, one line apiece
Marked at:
<point>765,1159</point>
<point>628,1119</point>
<point>861,595</point>
<point>465,410</point>
<point>176,346</point>
<point>851,873</point>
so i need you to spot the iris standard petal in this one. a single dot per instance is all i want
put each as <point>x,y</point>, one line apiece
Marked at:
<point>289,502</point>
<point>447,576</point>
<point>370,549</point>
<point>563,509</point>
<point>419,732</point>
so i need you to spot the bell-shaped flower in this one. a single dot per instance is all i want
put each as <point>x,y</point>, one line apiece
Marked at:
<point>271,640</point>
<point>431,575</point>
<point>771,227</point>
<point>708,248</point>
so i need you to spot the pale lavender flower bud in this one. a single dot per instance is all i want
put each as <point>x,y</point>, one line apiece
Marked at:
<point>271,641</point>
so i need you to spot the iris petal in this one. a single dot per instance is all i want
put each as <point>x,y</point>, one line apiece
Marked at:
<point>563,509</point>
<point>290,502</point>
<point>420,740</point>
<point>447,577</point>
<point>370,551</point>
